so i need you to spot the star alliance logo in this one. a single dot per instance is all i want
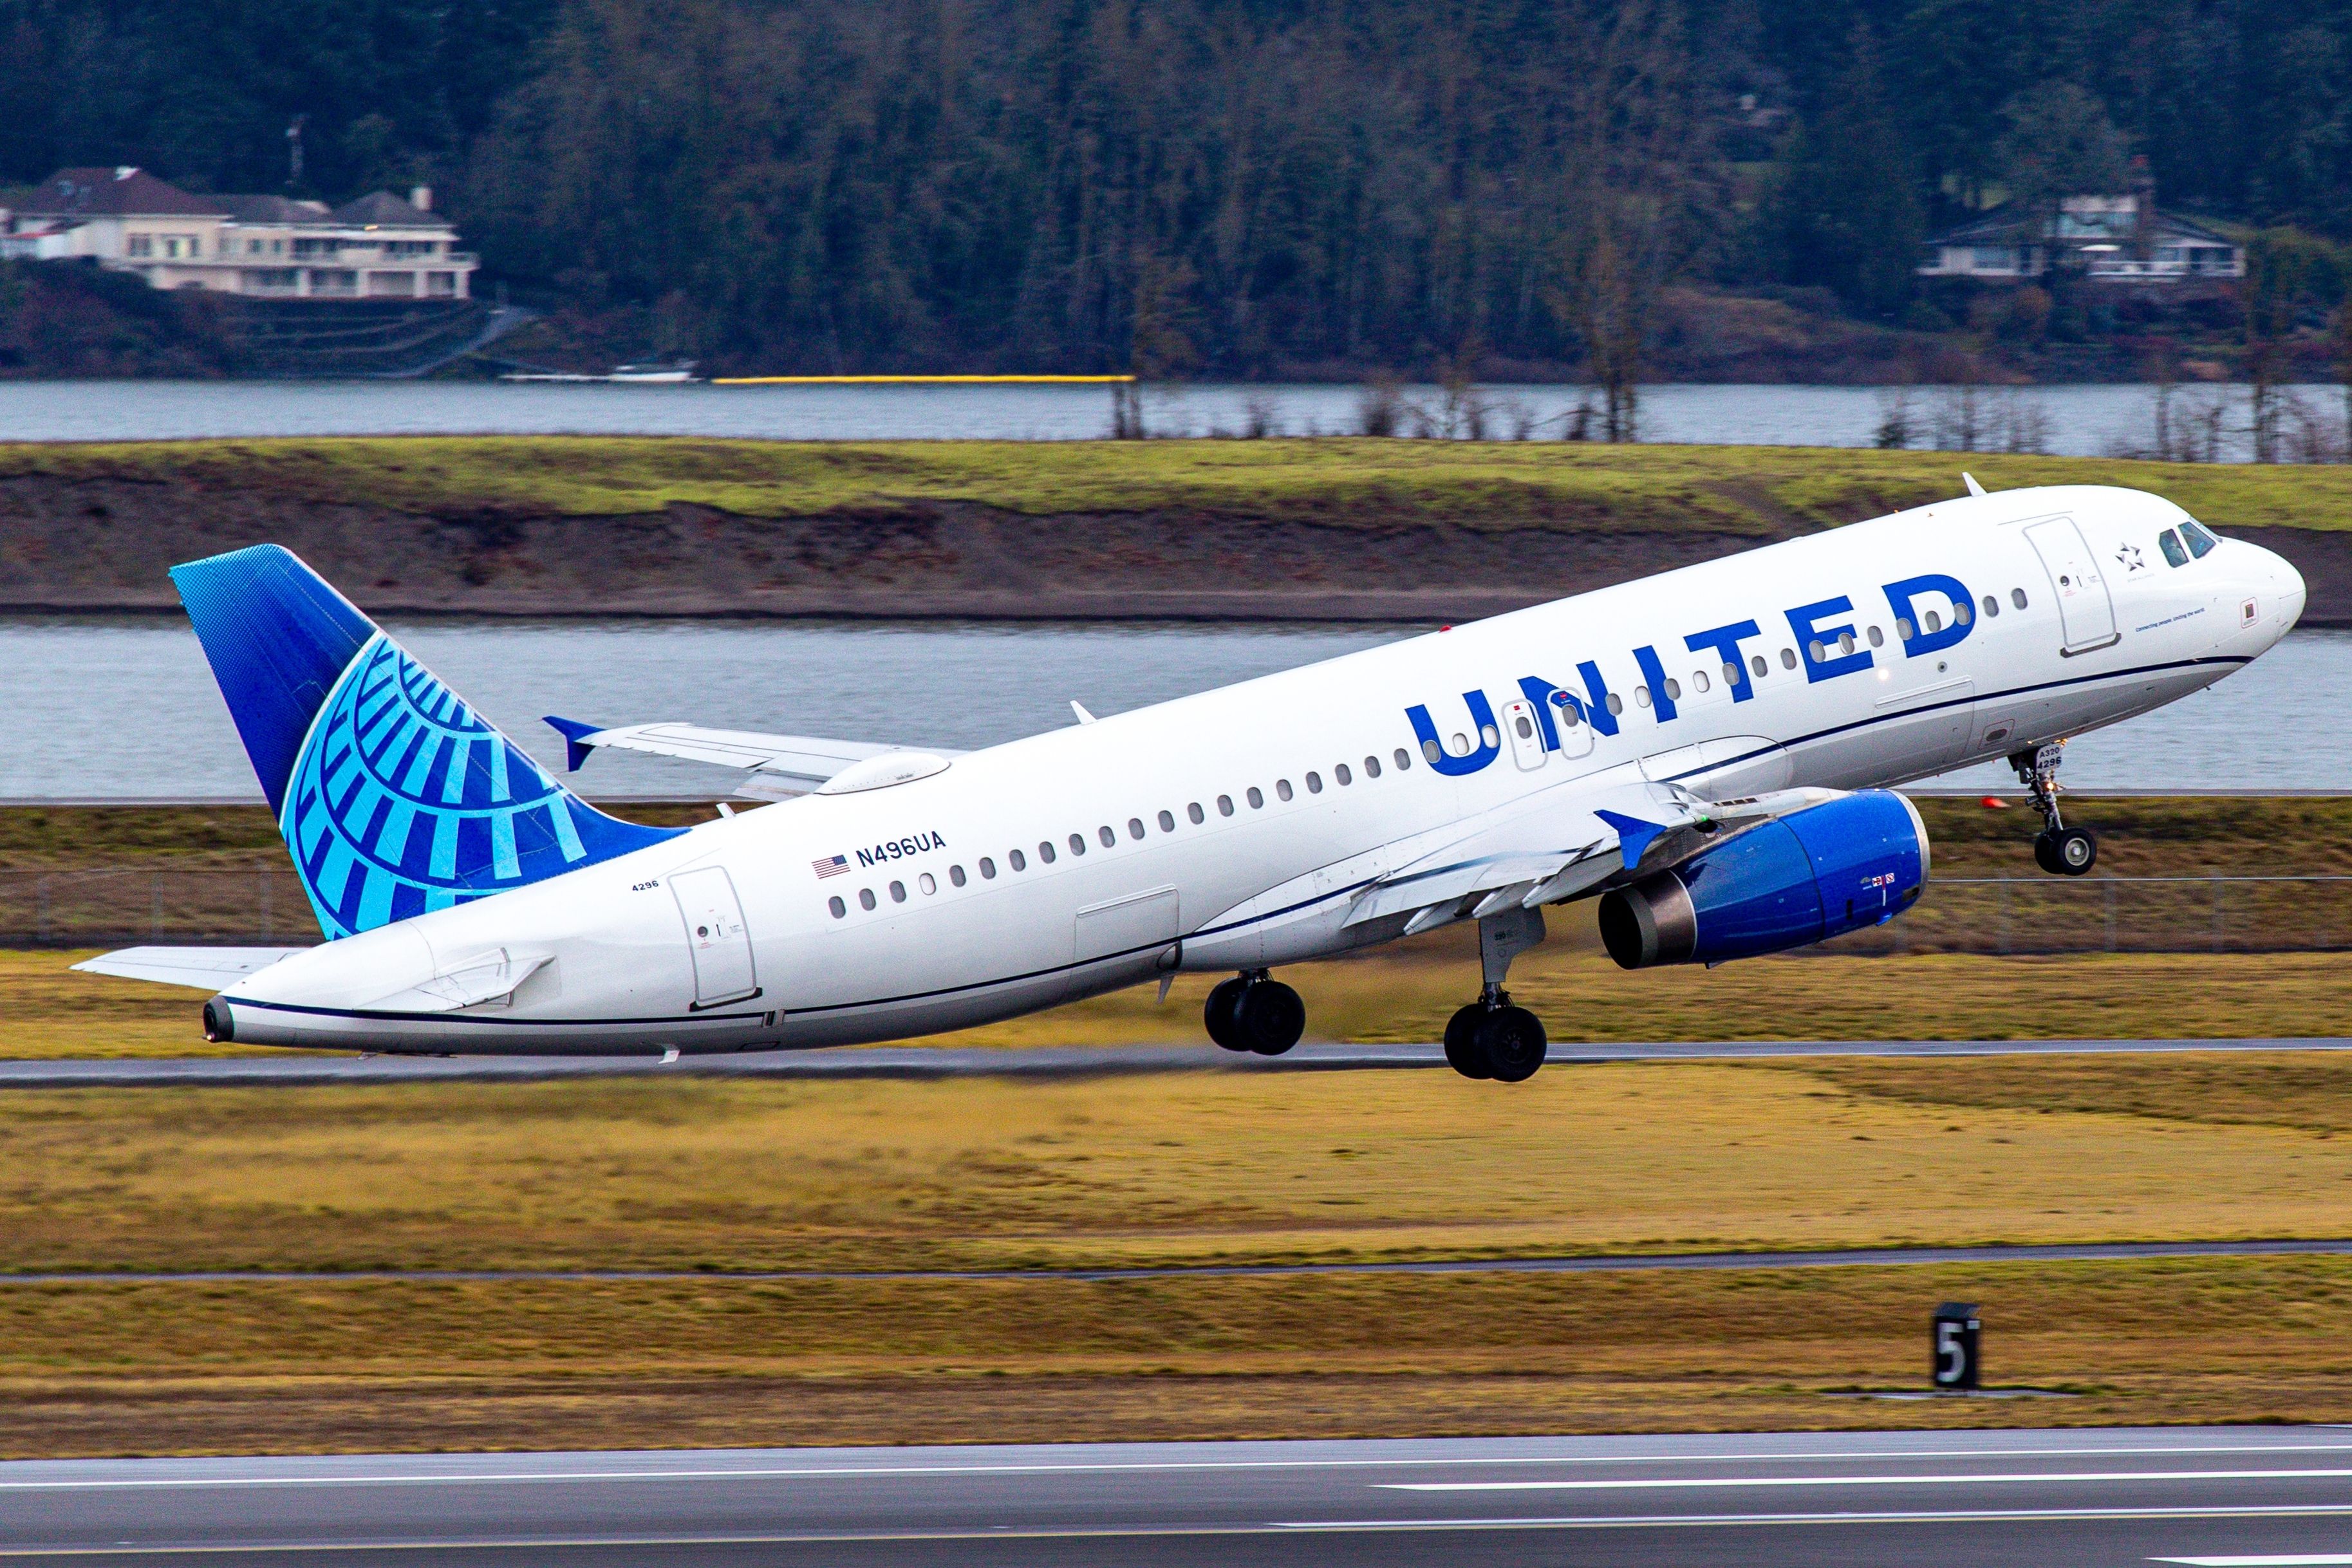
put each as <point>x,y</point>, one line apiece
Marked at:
<point>2132,559</point>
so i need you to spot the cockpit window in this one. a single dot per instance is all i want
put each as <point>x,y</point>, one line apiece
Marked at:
<point>2172,550</point>
<point>2199,541</point>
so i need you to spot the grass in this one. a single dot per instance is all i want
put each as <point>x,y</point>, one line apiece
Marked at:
<point>723,1176</point>
<point>1351,482</point>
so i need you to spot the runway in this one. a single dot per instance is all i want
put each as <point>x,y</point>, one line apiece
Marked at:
<point>2213,1496</point>
<point>1018,1061</point>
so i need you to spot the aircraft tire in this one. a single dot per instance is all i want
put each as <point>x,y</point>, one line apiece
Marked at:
<point>1219,1015</point>
<point>2045,856</point>
<point>1512,1041</point>
<point>1270,1018</point>
<point>2075,850</point>
<point>1463,1053</point>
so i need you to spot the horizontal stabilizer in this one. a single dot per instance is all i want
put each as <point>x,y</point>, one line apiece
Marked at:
<point>786,765</point>
<point>204,968</point>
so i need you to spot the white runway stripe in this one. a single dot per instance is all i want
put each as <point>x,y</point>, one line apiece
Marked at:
<point>2013,1478</point>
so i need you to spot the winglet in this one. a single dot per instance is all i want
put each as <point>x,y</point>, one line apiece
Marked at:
<point>1079,709</point>
<point>576,746</point>
<point>1633,835</point>
<point>1974,488</point>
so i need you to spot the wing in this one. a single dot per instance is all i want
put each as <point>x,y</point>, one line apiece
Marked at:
<point>1564,848</point>
<point>205,968</point>
<point>781,765</point>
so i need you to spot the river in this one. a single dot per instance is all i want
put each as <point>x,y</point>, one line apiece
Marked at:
<point>126,709</point>
<point>2081,420</point>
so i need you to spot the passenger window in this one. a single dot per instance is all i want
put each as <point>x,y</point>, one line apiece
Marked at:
<point>2017,597</point>
<point>1876,640</point>
<point>1108,837</point>
<point>1934,621</point>
<point>898,893</point>
<point>955,875</point>
<point>1257,797</point>
<point>1674,689</point>
<point>1314,784</point>
<point>987,869</point>
<point>1845,642</point>
<point>1616,704</point>
<point>1020,862</point>
<point>1281,789</point>
<point>1758,667</point>
<point>865,897</point>
<point>1962,614</point>
<point>1045,850</point>
<point>1404,761</point>
<point>1486,733</point>
<point>836,906</point>
<point>1641,697</point>
<point>1135,827</point>
<point>1903,627</point>
<point>1340,772</point>
<point>927,884</point>
<point>1787,658</point>
<point>1992,607</point>
<point>2199,541</point>
<point>1524,725</point>
<point>1077,843</point>
<point>2169,542</point>
<point>1371,767</point>
<point>1429,750</point>
<point>1196,813</point>
<point>1814,651</point>
<point>1698,679</point>
<point>1731,675</point>
<point>1167,822</point>
<point>1225,806</point>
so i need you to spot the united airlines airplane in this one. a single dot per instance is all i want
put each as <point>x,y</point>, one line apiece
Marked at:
<point>1706,752</point>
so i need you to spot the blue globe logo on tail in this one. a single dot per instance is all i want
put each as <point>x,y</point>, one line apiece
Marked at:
<point>395,796</point>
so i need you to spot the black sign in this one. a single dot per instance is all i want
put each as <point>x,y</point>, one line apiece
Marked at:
<point>1953,1330</point>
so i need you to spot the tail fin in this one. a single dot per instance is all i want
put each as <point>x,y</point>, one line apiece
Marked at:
<point>394,796</point>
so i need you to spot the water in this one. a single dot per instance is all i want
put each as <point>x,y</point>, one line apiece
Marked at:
<point>2084,421</point>
<point>117,709</point>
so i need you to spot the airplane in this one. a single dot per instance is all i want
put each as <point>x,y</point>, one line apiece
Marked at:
<point>1710,753</point>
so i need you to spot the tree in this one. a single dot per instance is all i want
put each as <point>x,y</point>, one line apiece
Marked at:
<point>1849,213</point>
<point>2060,142</point>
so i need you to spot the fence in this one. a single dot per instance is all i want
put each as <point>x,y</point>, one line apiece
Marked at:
<point>264,904</point>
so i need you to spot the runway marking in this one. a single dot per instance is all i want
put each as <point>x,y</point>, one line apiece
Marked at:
<point>1113,1532</point>
<point>2273,1560</point>
<point>864,1472</point>
<point>2013,1478</point>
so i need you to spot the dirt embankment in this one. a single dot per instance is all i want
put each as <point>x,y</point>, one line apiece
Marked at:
<point>105,543</point>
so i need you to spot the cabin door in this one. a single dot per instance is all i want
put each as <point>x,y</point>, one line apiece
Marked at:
<point>1525,733</point>
<point>2084,606</point>
<point>716,935</point>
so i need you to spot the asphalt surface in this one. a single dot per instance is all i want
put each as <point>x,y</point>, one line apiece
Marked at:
<point>1572,1263</point>
<point>1024,1061</point>
<point>2201,1495</point>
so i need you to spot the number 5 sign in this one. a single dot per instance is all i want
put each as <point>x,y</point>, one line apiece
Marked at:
<point>1954,1329</point>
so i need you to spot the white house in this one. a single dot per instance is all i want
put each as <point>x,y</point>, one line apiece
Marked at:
<point>378,246</point>
<point>2113,239</point>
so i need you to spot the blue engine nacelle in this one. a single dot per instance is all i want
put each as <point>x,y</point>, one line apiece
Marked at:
<point>1831,869</point>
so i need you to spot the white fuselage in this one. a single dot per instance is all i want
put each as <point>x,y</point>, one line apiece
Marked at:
<point>1215,832</point>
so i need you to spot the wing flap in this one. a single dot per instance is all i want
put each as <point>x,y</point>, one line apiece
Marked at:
<point>783,766</point>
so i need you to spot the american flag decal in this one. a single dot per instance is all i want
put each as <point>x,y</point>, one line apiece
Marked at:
<point>833,866</point>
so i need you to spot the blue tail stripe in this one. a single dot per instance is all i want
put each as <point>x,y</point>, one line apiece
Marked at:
<point>395,797</point>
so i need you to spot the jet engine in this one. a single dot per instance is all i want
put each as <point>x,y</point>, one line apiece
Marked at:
<point>1859,860</point>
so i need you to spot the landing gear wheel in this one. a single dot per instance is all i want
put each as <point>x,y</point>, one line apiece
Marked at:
<point>2045,856</point>
<point>1269,1017</point>
<point>1463,1052</point>
<point>1512,1041</point>
<point>1224,1000</point>
<point>2073,852</point>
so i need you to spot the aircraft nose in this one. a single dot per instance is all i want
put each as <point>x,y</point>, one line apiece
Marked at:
<point>2277,589</point>
<point>2287,586</point>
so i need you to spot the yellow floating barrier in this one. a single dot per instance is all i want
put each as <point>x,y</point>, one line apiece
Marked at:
<point>914,380</point>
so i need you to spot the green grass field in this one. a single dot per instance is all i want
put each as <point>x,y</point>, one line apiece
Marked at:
<point>1347,482</point>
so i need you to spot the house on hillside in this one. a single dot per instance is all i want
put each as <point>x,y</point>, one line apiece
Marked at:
<point>2112,239</point>
<point>377,248</point>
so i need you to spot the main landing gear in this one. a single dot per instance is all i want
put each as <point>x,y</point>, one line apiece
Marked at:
<point>1252,1013</point>
<point>1491,1039</point>
<point>2061,850</point>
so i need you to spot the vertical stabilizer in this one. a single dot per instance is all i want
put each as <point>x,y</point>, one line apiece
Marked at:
<point>395,797</point>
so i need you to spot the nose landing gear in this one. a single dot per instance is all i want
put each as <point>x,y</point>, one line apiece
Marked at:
<point>1253,1013</point>
<point>2061,850</point>
<point>1490,1038</point>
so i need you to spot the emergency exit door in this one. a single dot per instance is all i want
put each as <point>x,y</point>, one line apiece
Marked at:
<point>2084,608</point>
<point>716,935</point>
